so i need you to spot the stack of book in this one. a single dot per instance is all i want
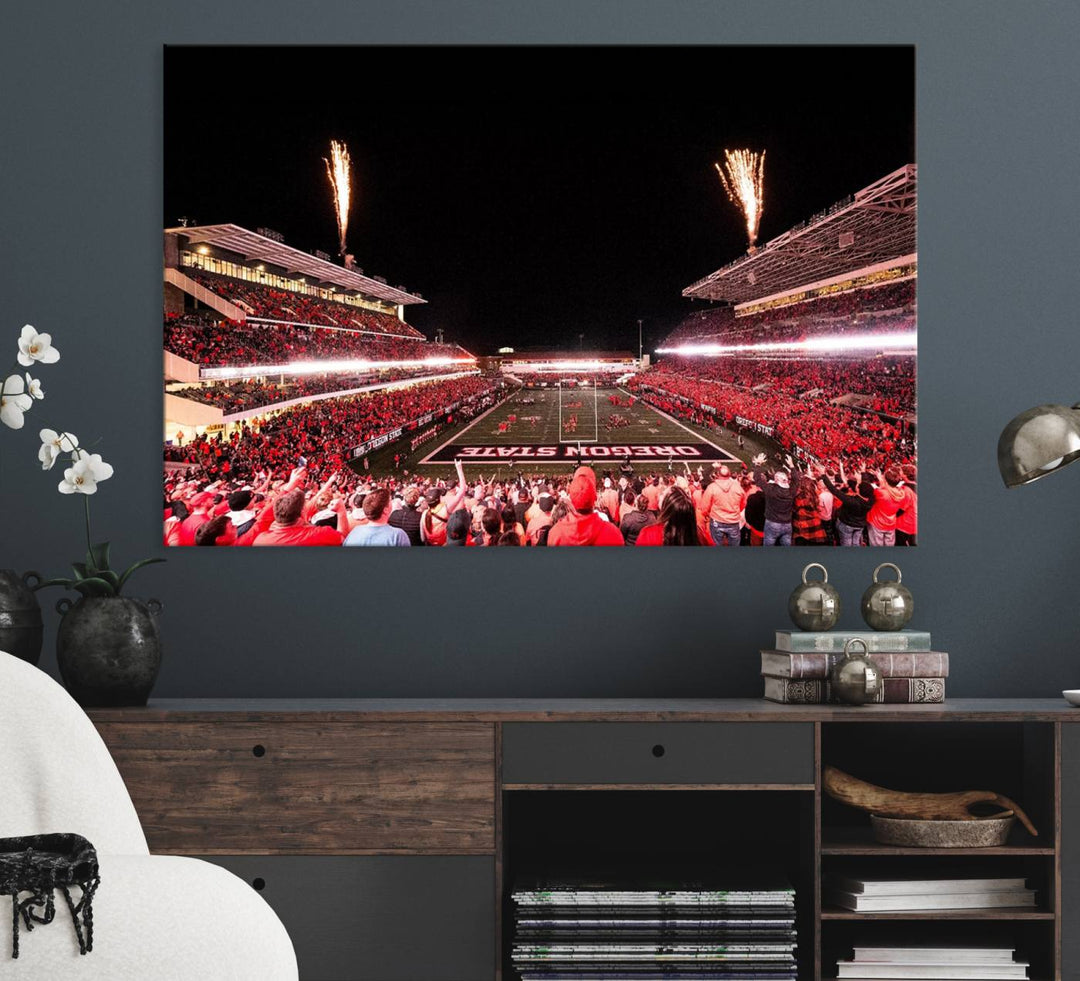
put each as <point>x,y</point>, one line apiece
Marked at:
<point>796,671</point>
<point>939,963</point>
<point>579,931</point>
<point>902,894</point>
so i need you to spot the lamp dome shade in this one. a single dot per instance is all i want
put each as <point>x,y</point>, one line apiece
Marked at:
<point>1039,441</point>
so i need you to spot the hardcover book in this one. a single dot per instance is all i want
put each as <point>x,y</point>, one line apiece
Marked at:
<point>816,664</point>
<point>833,641</point>
<point>895,691</point>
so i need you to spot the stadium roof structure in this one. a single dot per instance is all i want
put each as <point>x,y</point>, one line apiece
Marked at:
<point>252,245</point>
<point>873,227</point>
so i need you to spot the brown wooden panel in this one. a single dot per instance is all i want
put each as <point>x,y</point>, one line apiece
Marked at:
<point>581,710</point>
<point>314,788</point>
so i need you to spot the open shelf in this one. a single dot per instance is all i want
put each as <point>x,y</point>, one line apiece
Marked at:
<point>860,841</point>
<point>711,836</point>
<point>1015,759</point>
<point>1002,913</point>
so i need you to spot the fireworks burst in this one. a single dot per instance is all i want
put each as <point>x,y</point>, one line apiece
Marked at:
<point>743,177</point>
<point>339,171</point>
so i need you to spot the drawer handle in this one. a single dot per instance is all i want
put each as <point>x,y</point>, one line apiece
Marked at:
<point>258,750</point>
<point>658,751</point>
<point>258,884</point>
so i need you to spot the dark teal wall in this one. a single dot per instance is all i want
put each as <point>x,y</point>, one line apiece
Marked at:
<point>996,580</point>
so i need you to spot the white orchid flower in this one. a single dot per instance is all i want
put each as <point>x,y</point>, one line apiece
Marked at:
<point>33,387</point>
<point>85,473</point>
<point>36,347</point>
<point>14,401</point>
<point>53,444</point>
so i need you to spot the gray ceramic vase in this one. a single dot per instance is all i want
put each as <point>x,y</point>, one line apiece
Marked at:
<point>21,629</point>
<point>108,649</point>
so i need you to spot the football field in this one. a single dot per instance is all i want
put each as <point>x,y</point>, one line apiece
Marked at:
<point>554,430</point>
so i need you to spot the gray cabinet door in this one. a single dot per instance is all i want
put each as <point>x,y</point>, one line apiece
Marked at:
<point>381,917</point>
<point>1070,850</point>
<point>765,753</point>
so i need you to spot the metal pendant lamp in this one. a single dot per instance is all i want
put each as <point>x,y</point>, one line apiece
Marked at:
<point>1039,441</point>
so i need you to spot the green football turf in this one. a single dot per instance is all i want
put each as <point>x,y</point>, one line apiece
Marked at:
<point>647,426</point>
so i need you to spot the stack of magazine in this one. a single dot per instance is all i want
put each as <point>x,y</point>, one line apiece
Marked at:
<point>601,931</point>
<point>938,963</point>
<point>900,893</point>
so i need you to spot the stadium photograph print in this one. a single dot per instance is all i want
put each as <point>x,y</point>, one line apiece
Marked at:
<point>649,301</point>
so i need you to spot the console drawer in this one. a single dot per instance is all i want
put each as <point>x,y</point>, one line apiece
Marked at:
<point>693,753</point>
<point>263,787</point>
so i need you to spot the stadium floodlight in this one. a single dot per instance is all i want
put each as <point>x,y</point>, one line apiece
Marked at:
<point>906,342</point>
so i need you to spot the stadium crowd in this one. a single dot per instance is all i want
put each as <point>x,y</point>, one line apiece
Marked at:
<point>322,432</point>
<point>886,308</point>
<point>811,425</point>
<point>271,303</point>
<point>213,342</point>
<point>843,472</point>
<point>889,382</point>
<point>757,506</point>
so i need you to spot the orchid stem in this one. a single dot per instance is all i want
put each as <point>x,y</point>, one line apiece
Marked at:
<point>89,547</point>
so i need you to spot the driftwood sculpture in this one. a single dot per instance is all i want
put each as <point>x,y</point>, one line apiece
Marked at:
<point>901,804</point>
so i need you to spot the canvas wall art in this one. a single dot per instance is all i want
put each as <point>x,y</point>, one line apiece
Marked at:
<point>540,296</point>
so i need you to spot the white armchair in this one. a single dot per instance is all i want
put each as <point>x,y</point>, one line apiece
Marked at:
<point>156,918</point>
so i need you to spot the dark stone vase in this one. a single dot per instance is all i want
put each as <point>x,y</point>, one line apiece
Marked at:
<point>108,649</point>
<point>21,628</point>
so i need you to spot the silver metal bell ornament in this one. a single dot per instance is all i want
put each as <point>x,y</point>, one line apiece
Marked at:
<point>887,605</point>
<point>814,605</point>
<point>856,680</point>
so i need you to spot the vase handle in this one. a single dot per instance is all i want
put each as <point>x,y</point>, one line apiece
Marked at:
<point>27,576</point>
<point>64,604</point>
<point>155,607</point>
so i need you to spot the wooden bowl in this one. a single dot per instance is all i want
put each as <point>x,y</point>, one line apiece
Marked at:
<point>912,832</point>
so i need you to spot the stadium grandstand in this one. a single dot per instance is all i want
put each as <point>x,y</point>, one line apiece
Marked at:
<point>812,342</point>
<point>252,325</point>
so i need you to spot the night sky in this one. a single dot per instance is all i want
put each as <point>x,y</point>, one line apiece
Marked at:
<point>530,194</point>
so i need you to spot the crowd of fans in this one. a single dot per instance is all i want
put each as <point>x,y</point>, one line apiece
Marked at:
<point>843,472</point>
<point>271,303</point>
<point>880,309</point>
<point>213,342</point>
<point>809,425</point>
<point>320,433</point>
<point>781,505</point>
<point>254,393</point>
<point>888,382</point>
